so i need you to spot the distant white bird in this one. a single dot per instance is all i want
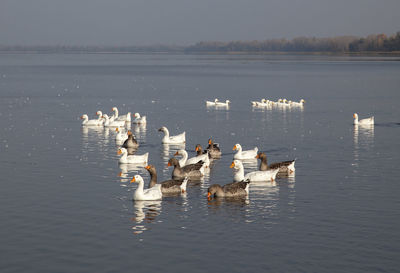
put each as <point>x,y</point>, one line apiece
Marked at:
<point>126,117</point>
<point>91,122</point>
<point>210,103</point>
<point>366,121</point>
<point>226,103</point>
<point>167,139</point>
<point>139,119</point>
<point>238,169</point>
<point>240,154</point>
<point>112,123</point>
<point>132,159</point>
<point>298,104</point>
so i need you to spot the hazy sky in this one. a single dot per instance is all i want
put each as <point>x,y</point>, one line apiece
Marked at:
<point>144,22</point>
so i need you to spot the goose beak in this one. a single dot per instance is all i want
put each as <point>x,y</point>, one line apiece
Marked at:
<point>175,154</point>
<point>234,148</point>
<point>197,148</point>
<point>119,151</point>
<point>169,164</point>
<point>147,167</point>
<point>232,165</point>
<point>129,132</point>
<point>354,115</point>
<point>257,156</point>
<point>116,129</point>
<point>160,130</point>
<point>209,142</point>
<point>133,180</point>
<point>120,174</point>
<point>81,117</point>
<point>208,194</point>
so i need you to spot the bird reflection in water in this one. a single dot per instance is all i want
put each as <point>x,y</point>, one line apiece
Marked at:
<point>168,151</point>
<point>146,212</point>
<point>363,136</point>
<point>216,202</point>
<point>127,170</point>
<point>140,131</point>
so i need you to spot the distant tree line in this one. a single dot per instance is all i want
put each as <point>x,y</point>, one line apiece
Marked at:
<point>341,44</point>
<point>376,43</point>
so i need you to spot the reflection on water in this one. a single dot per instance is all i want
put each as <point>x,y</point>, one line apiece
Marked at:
<point>129,170</point>
<point>140,130</point>
<point>145,212</point>
<point>215,203</point>
<point>168,151</point>
<point>363,136</point>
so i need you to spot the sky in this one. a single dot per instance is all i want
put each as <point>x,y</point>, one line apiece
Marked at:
<point>185,22</point>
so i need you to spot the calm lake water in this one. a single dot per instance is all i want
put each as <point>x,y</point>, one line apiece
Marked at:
<point>64,207</point>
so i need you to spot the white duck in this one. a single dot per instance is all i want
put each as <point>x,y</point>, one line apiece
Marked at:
<point>238,169</point>
<point>91,122</point>
<point>128,159</point>
<point>185,161</point>
<point>112,123</point>
<point>121,135</point>
<point>167,139</point>
<point>126,117</point>
<point>240,154</point>
<point>226,103</point>
<point>210,103</point>
<point>298,104</point>
<point>141,194</point>
<point>139,119</point>
<point>366,121</point>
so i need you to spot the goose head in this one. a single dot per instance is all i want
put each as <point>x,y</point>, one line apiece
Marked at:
<point>84,116</point>
<point>227,101</point>
<point>121,151</point>
<point>302,101</point>
<point>162,129</point>
<point>236,164</point>
<point>137,115</point>
<point>99,113</point>
<point>355,116</point>
<point>173,162</point>
<point>114,109</point>
<point>237,147</point>
<point>137,179</point>
<point>213,189</point>
<point>261,156</point>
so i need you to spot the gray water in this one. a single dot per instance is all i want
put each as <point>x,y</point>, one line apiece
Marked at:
<point>65,208</point>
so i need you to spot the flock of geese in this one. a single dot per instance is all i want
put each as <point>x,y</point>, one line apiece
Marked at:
<point>193,168</point>
<point>185,168</point>
<point>260,104</point>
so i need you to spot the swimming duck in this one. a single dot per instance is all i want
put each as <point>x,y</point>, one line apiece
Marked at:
<point>249,154</point>
<point>168,186</point>
<point>229,190</point>
<point>185,161</point>
<point>112,123</point>
<point>190,171</point>
<point>181,138</point>
<point>91,122</point>
<point>268,175</point>
<point>210,103</point>
<point>130,142</point>
<point>366,121</point>
<point>285,167</point>
<point>213,149</point>
<point>141,194</point>
<point>126,159</point>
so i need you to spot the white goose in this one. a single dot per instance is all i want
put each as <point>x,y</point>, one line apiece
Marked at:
<point>167,139</point>
<point>185,161</point>
<point>249,154</point>
<point>298,104</point>
<point>366,121</point>
<point>238,169</point>
<point>126,117</point>
<point>139,119</point>
<point>210,103</point>
<point>91,122</point>
<point>112,123</point>
<point>219,103</point>
<point>128,159</point>
<point>121,135</point>
<point>141,194</point>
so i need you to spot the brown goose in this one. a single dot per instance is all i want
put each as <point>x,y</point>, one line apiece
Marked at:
<point>190,171</point>
<point>131,142</point>
<point>213,149</point>
<point>229,190</point>
<point>168,186</point>
<point>285,167</point>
